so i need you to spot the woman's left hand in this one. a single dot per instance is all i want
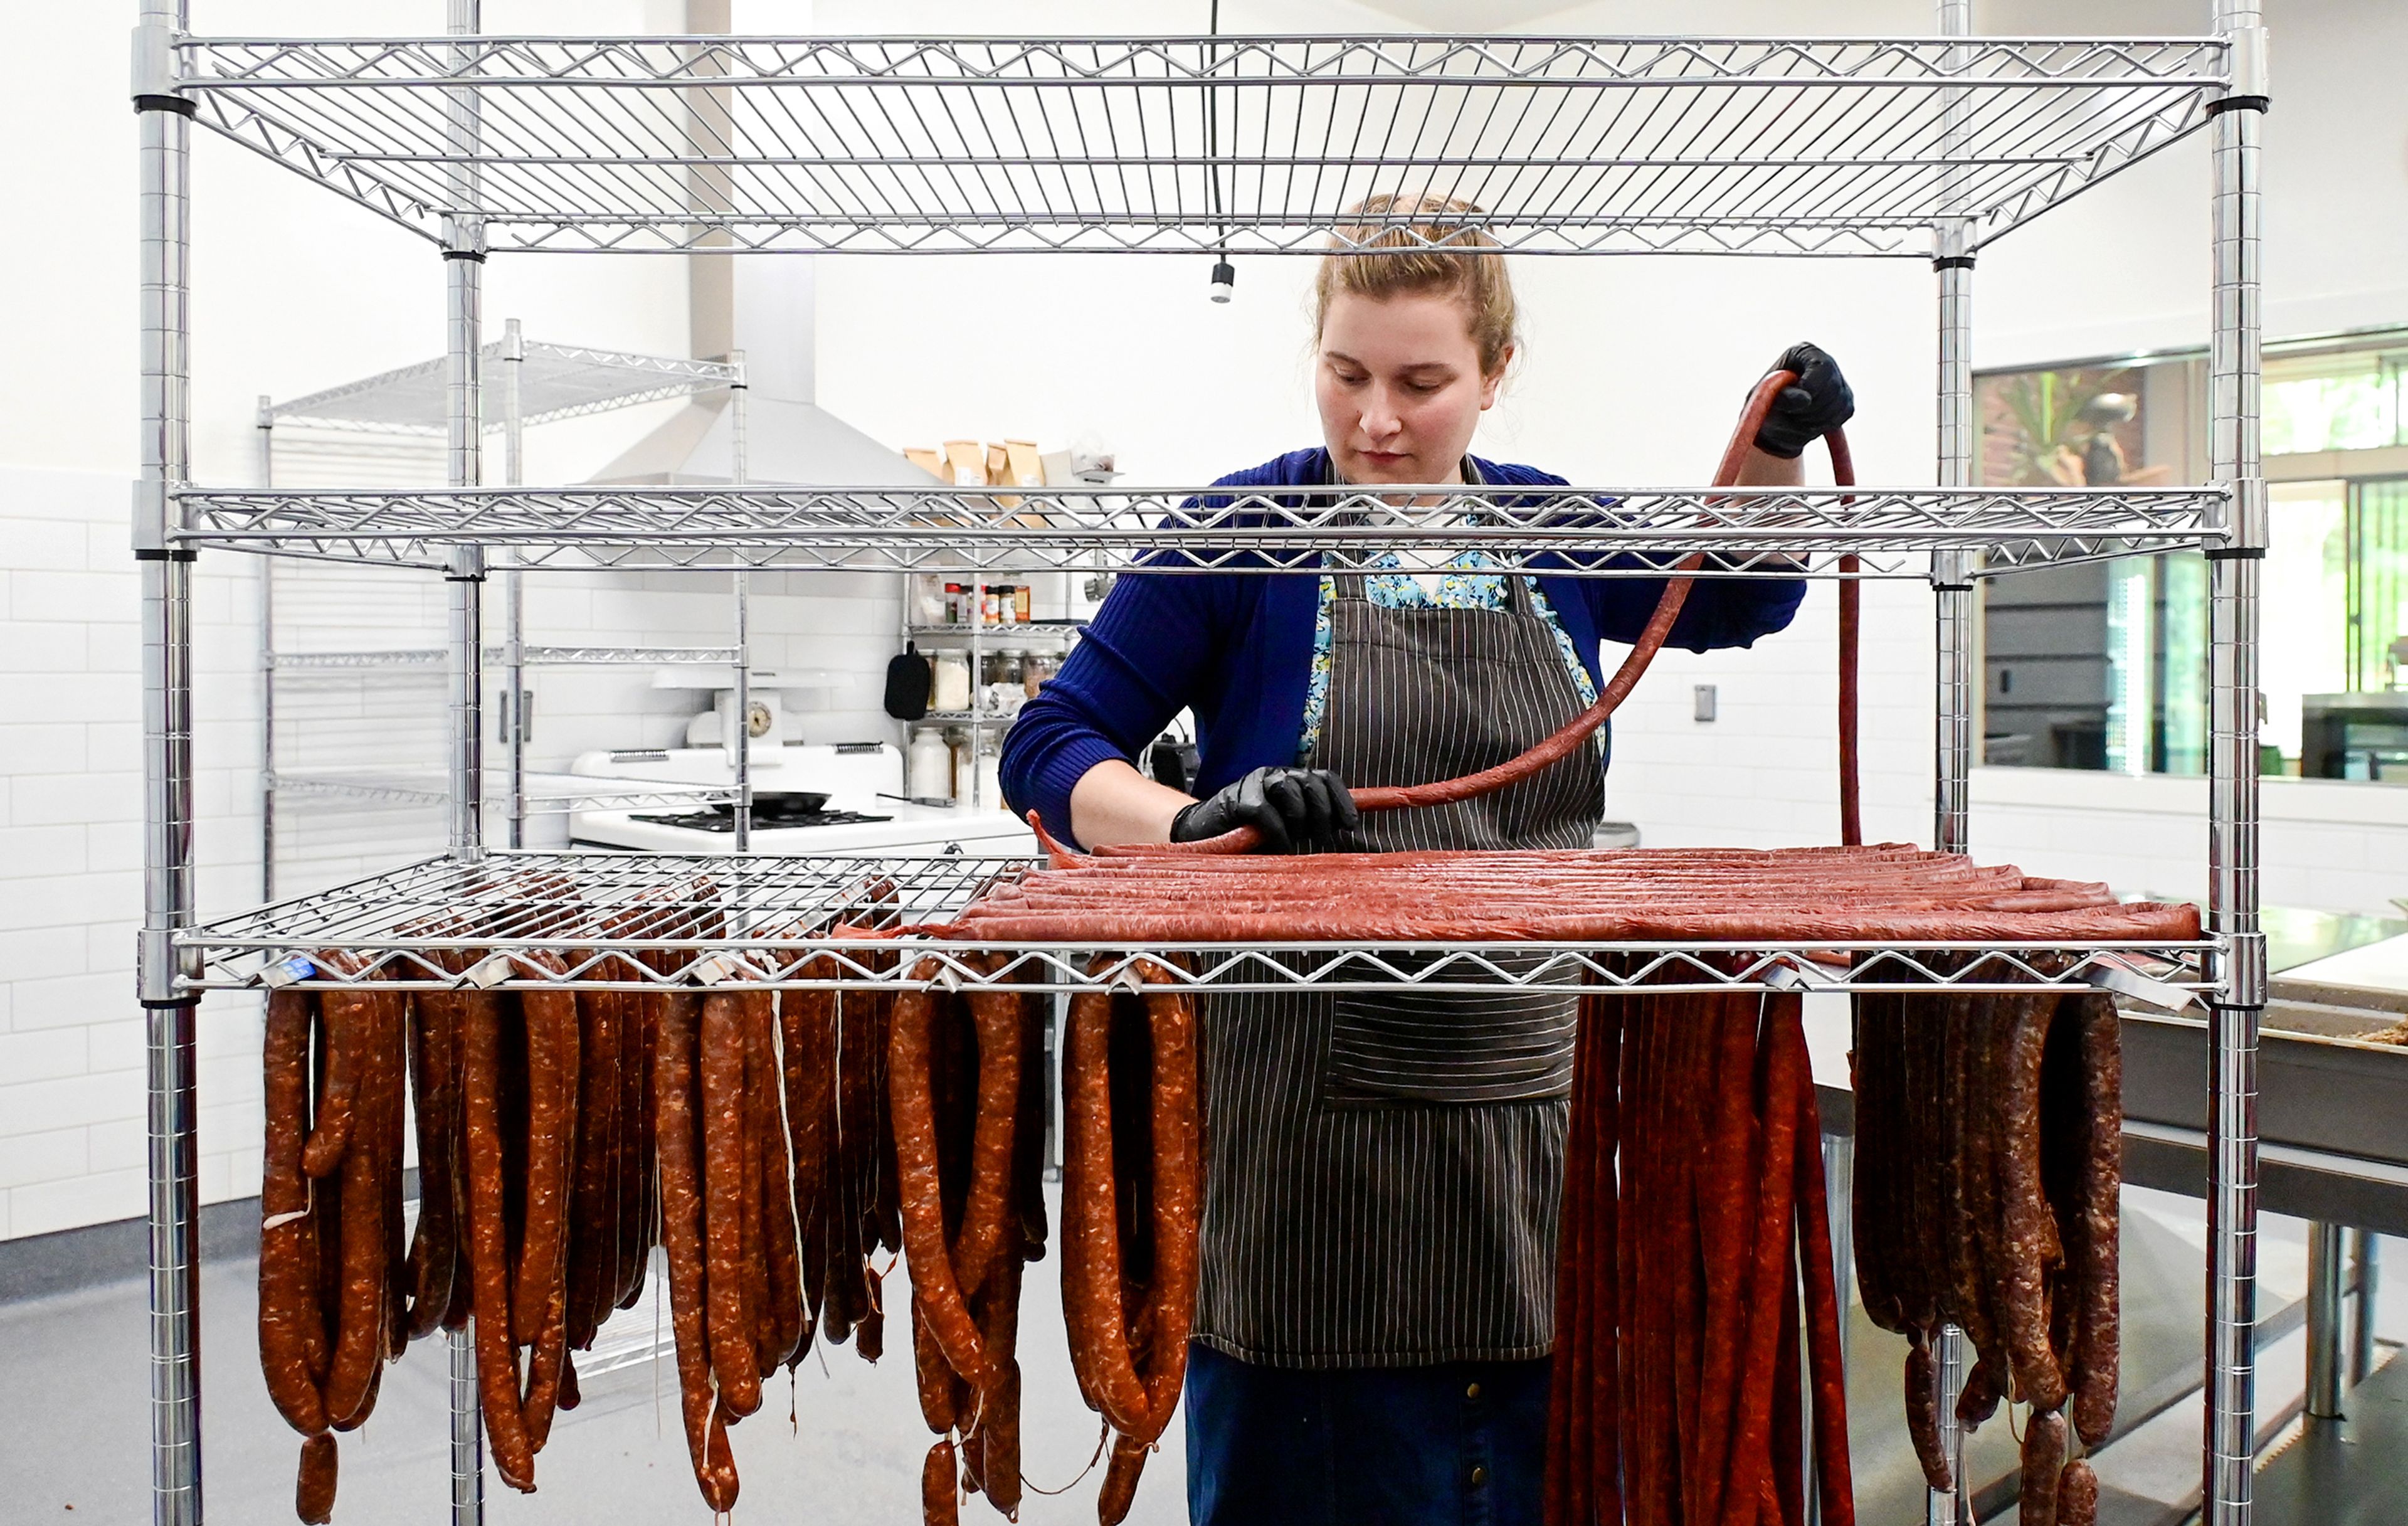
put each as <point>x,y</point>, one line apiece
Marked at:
<point>1818,402</point>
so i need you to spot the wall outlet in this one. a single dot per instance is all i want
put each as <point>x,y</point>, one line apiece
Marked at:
<point>1704,706</point>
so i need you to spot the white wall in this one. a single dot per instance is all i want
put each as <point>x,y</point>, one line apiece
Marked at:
<point>1633,372</point>
<point>71,1087</point>
<point>293,290</point>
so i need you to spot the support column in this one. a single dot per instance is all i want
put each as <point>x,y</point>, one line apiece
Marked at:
<point>2324,1270</point>
<point>2234,358</point>
<point>1951,582</point>
<point>514,694</point>
<point>166,570</point>
<point>2365,1256</point>
<point>266,429</point>
<point>464,267</point>
<point>739,472</point>
<point>1951,593</point>
<point>1952,807</point>
<point>464,264</point>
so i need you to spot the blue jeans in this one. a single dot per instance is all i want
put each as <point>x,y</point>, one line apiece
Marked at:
<point>1461,1443</point>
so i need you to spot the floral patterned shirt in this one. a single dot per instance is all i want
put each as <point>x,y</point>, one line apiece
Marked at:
<point>1460,587</point>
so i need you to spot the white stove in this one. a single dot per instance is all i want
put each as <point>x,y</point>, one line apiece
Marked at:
<point>863,812</point>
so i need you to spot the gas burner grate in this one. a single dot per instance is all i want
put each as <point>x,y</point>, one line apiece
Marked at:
<point>765,817</point>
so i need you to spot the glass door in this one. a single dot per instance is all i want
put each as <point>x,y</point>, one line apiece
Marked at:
<point>2378,584</point>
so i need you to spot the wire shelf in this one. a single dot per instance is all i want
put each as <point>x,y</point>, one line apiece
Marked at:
<point>547,794</point>
<point>417,659</point>
<point>433,658</point>
<point>696,911</point>
<point>1636,145</point>
<point>555,381</point>
<point>1576,531</point>
<point>623,657</point>
<point>1018,630</point>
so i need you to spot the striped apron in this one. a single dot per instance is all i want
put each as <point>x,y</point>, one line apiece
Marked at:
<point>1386,1167</point>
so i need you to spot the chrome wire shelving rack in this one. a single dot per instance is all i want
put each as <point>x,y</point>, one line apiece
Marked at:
<point>545,793</point>
<point>1925,148</point>
<point>1576,145</point>
<point>697,914</point>
<point>1574,531</point>
<point>554,382</point>
<point>541,382</point>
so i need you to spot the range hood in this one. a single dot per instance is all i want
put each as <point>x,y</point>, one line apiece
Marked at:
<point>762,306</point>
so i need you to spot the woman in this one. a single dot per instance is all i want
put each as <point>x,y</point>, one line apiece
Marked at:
<point>1378,1280</point>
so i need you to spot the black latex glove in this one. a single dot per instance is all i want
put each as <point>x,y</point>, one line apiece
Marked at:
<point>1297,809</point>
<point>1813,406</point>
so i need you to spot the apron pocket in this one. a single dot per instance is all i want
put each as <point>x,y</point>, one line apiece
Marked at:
<point>1459,1047</point>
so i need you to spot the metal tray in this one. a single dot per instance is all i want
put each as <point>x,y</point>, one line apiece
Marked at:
<point>2319,1088</point>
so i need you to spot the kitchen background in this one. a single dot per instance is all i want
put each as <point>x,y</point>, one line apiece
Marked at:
<point>1632,373</point>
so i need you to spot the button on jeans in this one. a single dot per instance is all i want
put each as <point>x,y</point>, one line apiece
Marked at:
<point>1460,1444</point>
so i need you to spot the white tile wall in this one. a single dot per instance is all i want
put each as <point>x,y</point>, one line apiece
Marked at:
<point>71,1087</point>
<point>71,1038</point>
<point>2325,846</point>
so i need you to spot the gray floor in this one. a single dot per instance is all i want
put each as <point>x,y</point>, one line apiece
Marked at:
<point>73,1431</point>
<point>73,1416</point>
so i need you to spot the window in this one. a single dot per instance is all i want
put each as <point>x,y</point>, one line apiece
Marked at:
<point>2104,665</point>
<point>2345,402</point>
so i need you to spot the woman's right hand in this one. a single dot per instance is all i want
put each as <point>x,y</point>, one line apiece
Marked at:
<point>1296,811</point>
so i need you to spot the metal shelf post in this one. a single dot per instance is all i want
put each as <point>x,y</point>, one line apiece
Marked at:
<point>168,904</point>
<point>2365,1262</point>
<point>465,576</point>
<point>2234,358</point>
<point>266,429</point>
<point>2114,101</point>
<point>2326,1270</point>
<point>1951,593</point>
<point>463,266</point>
<point>738,471</point>
<point>514,693</point>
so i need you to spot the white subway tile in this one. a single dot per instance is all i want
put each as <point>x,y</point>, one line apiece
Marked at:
<point>211,1181</point>
<point>112,647</point>
<point>2334,848</point>
<point>41,851</point>
<point>44,646</point>
<point>70,696</point>
<point>75,1202</point>
<point>112,743</point>
<point>121,1146</point>
<point>107,546</point>
<point>108,844</point>
<point>42,1055</point>
<point>69,999</point>
<point>54,1155</point>
<point>242,1172</point>
<point>2288,885</point>
<point>110,945</point>
<point>229,1081</point>
<point>32,954</point>
<point>115,1042</point>
<point>71,596</point>
<point>2366,891</point>
<point>28,746</point>
<point>64,900</point>
<point>69,1101</point>
<point>40,546</point>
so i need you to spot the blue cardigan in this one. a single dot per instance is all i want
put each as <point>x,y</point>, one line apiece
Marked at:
<point>1237,648</point>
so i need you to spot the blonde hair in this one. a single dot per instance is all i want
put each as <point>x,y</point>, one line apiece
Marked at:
<point>1440,248</point>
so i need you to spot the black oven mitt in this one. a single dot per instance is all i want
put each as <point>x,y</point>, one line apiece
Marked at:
<point>908,681</point>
